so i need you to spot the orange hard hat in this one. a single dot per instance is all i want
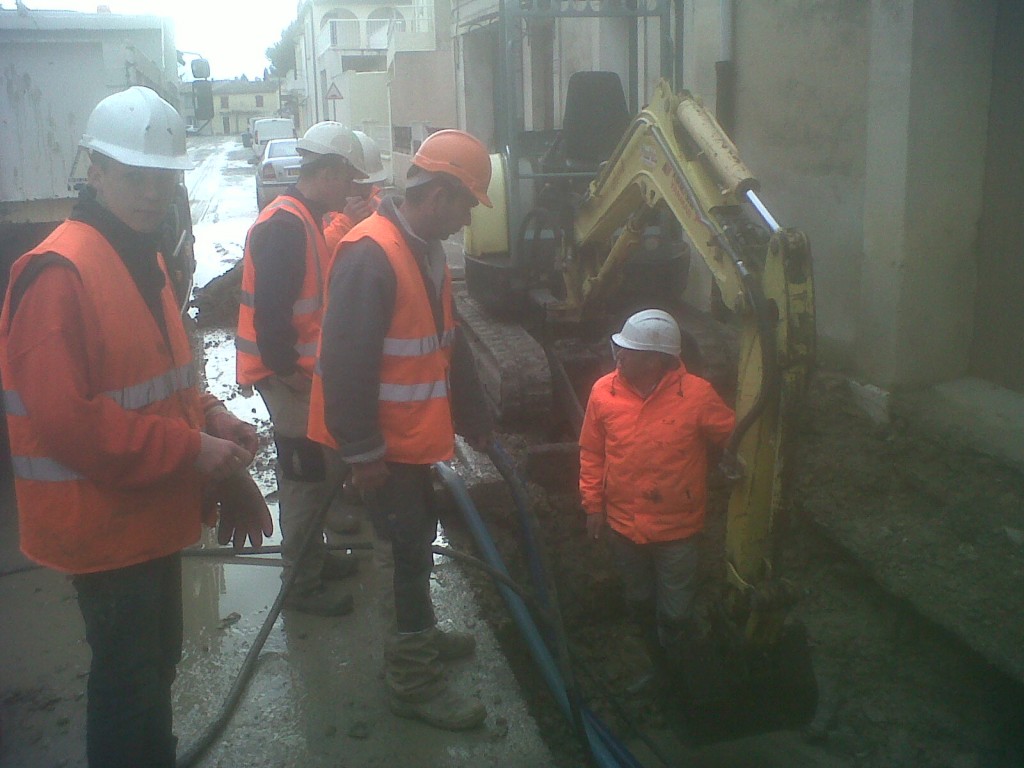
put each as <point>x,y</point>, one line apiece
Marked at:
<point>458,154</point>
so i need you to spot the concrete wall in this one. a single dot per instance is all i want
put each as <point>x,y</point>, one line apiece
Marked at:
<point>929,85</point>
<point>998,346</point>
<point>411,101</point>
<point>476,63</point>
<point>802,70</point>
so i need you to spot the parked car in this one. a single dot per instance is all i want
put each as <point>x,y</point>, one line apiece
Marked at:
<point>278,168</point>
<point>268,128</point>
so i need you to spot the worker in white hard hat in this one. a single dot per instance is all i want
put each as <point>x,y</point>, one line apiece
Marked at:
<point>283,270</point>
<point>643,472</point>
<point>113,446</point>
<point>367,194</point>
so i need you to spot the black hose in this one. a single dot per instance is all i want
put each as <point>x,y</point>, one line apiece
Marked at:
<point>197,749</point>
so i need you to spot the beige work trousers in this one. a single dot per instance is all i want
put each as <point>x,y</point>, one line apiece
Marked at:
<point>300,502</point>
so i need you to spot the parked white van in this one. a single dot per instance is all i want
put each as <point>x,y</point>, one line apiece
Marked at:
<point>268,128</point>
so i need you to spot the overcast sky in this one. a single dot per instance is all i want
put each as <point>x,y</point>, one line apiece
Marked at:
<point>232,34</point>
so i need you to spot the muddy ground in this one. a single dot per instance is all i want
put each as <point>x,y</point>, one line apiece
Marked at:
<point>902,544</point>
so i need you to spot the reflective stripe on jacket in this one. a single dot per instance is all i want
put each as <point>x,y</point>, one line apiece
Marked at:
<point>414,402</point>
<point>67,520</point>
<point>644,460</point>
<point>307,311</point>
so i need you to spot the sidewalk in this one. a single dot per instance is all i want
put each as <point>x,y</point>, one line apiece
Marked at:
<point>316,699</point>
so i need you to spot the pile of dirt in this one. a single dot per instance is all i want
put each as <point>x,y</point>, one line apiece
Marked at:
<point>217,301</point>
<point>933,521</point>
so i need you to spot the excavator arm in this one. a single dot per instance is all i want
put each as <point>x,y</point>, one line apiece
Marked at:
<point>675,156</point>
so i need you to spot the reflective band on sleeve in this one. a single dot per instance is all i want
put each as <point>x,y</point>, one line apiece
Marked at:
<point>156,389</point>
<point>412,393</point>
<point>252,348</point>
<point>306,306</point>
<point>416,347</point>
<point>246,298</point>
<point>249,347</point>
<point>13,404</point>
<point>44,470</point>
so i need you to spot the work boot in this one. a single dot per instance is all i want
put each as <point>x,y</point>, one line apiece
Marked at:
<point>338,567</point>
<point>447,710</point>
<point>452,645</point>
<point>320,601</point>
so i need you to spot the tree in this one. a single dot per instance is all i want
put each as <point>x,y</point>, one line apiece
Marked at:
<point>282,53</point>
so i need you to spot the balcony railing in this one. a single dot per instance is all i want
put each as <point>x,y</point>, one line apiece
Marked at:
<point>374,35</point>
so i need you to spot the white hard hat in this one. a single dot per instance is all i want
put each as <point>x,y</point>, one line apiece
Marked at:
<point>373,167</point>
<point>650,331</point>
<point>331,138</point>
<point>138,128</point>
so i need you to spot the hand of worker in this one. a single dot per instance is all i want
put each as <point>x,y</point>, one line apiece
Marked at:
<point>220,422</point>
<point>218,458</point>
<point>595,524</point>
<point>243,511</point>
<point>298,382</point>
<point>357,209</point>
<point>369,476</point>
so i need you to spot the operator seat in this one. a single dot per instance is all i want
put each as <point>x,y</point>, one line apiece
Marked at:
<point>595,119</point>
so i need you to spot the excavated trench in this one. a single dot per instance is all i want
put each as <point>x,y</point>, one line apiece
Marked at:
<point>896,542</point>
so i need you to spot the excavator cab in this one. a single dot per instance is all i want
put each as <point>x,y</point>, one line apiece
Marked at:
<point>595,119</point>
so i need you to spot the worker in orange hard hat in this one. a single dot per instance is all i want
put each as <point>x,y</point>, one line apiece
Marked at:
<point>393,383</point>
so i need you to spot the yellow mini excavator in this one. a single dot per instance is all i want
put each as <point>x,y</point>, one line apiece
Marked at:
<point>601,218</point>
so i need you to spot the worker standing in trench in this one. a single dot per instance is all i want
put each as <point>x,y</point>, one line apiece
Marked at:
<point>112,444</point>
<point>389,352</point>
<point>643,475</point>
<point>283,268</point>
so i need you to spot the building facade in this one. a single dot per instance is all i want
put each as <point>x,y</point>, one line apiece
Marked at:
<point>235,102</point>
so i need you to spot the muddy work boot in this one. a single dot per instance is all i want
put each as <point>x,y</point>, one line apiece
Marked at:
<point>416,684</point>
<point>320,601</point>
<point>452,645</point>
<point>338,567</point>
<point>447,710</point>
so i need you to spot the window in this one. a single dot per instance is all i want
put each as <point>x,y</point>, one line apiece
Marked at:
<point>259,100</point>
<point>223,102</point>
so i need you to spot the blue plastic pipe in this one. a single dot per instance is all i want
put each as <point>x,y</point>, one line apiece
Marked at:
<point>606,749</point>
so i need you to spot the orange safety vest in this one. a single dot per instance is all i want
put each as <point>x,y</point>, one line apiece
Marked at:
<point>307,311</point>
<point>414,403</point>
<point>67,521</point>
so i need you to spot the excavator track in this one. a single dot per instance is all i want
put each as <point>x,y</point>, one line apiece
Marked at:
<point>511,364</point>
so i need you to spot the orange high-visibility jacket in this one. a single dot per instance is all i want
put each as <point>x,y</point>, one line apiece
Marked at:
<point>103,439</point>
<point>414,406</point>
<point>307,311</point>
<point>644,460</point>
<point>338,224</point>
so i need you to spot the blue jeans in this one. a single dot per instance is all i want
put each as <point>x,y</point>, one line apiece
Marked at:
<point>134,627</point>
<point>661,574</point>
<point>403,513</point>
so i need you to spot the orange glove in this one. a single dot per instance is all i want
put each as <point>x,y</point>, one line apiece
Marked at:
<point>243,511</point>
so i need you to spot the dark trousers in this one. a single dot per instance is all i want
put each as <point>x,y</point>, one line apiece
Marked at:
<point>134,627</point>
<point>403,513</point>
